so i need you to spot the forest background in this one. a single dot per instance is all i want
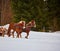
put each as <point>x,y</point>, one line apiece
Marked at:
<point>46,13</point>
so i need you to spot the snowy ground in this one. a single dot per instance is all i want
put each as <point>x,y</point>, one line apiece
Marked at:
<point>38,41</point>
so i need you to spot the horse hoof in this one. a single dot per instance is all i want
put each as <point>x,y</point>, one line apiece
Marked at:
<point>20,36</point>
<point>26,37</point>
<point>13,37</point>
<point>8,35</point>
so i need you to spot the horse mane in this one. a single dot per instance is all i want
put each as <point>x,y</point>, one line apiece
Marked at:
<point>31,23</point>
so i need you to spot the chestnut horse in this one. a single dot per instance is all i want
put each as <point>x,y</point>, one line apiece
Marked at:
<point>3,31</point>
<point>15,27</point>
<point>28,27</point>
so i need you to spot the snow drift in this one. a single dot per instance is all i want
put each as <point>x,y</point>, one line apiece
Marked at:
<point>38,41</point>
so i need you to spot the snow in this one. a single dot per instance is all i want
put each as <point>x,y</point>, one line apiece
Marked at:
<point>37,41</point>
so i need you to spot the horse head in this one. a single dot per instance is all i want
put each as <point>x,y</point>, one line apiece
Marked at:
<point>22,24</point>
<point>31,23</point>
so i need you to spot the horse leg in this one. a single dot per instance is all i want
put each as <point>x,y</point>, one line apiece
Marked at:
<point>13,34</point>
<point>17,35</point>
<point>27,35</point>
<point>9,29</point>
<point>8,33</point>
<point>3,32</point>
<point>20,35</point>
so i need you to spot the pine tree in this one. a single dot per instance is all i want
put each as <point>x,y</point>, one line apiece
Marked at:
<point>45,12</point>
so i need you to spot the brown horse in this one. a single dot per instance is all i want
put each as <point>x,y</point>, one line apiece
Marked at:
<point>3,31</point>
<point>15,27</point>
<point>28,27</point>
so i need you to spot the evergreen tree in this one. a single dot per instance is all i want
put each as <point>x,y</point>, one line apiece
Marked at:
<point>45,12</point>
<point>54,13</point>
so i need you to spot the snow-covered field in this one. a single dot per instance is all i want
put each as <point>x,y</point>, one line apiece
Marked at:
<point>38,41</point>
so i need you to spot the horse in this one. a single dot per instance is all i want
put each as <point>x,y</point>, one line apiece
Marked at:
<point>28,27</point>
<point>15,27</point>
<point>3,31</point>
